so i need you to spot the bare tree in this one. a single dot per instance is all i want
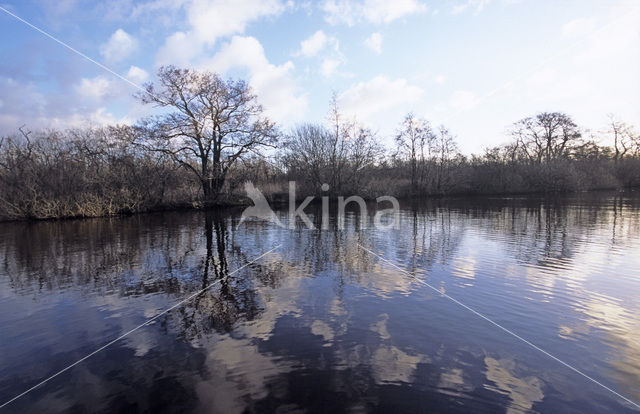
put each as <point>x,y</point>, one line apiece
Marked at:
<point>364,153</point>
<point>338,144</point>
<point>625,139</point>
<point>546,137</point>
<point>339,154</point>
<point>634,136</point>
<point>415,141</point>
<point>307,153</point>
<point>211,123</point>
<point>447,150</point>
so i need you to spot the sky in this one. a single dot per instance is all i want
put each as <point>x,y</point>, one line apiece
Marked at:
<point>475,66</point>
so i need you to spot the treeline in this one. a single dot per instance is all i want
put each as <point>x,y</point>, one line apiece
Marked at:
<point>546,153</point>
<point>212,136</point>
<point>84,172</point>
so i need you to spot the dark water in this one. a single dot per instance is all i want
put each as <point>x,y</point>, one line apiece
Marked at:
<point>320,324</point>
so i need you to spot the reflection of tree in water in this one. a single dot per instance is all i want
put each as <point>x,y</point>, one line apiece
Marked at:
<point>142,256</point>
<point>435,238</point>
<point>426,236</point>
<point>429,241</point>
<point>535,230</point>
<point>129,256</point>
<point>164,253</point>
<point>222,306</point>
<point>264,305</point>
<point>543,232</point>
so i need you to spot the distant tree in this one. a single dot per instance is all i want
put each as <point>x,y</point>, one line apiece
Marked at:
<point>546,137</point>
<point>338,154</point>
<point>337,145</point>
<point>634,135</point>
<point>447,150</point>
<point>364,153</point>
<point>415,143</point>
<point>307,153</point>
<point>208,125</point>
<point>591,150</point>
<point>625,139</point>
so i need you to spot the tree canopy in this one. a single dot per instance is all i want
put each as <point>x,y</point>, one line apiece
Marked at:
<point>208,125</point>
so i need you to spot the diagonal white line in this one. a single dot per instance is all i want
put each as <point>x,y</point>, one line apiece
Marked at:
<point>500,326</point>
<point>135,329</point>
<point>135,85</point>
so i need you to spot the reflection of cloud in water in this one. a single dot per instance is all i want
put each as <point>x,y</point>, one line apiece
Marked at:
<point>388,363</point>
<point>324,288</point>
<point>238,373</point>
<point>540,281</point>
<point>465,268</point>
<point>391,364</point>
<point>322,329</point>
<point>385,281</point>
<point>276,302</point>
<point>142,342</point>
<point>572,333</point>
<point>622,330</point>
<point>523,392</point>
<point>381,327</point>
<point>452,382</point>
<point>337,308</point>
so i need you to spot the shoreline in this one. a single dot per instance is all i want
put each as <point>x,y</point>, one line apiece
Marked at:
<point>242,202</point>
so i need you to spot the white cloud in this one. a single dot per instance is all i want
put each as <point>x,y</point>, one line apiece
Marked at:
<point>313,44</point>
<point>27,104</point>
<point>37,111</point>
<point>374,42</point>
<point>329,67</point>
<point>615,43</point>
<point>153,7</point>
<point>274,84</point>
<point>478,5</point>
<point>94,88</point>
<point>540,79</point>
<point>98,117</point>
<point>383,11</point>
<point>179,50</point>
<point>350,12</point>
<point>439,79</point>
<point>119,46</point>
<point>317,43</point>
<point>463,100</point>
<point>579,27</point>
<point>137,75</point>
<point>209,20</point>
<point>380,93</point>
<point>598,77</point>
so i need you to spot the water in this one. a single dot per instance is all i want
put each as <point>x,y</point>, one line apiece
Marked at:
<point>320,324</point>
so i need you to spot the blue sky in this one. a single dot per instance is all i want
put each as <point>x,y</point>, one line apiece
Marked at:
<point>475,65</point>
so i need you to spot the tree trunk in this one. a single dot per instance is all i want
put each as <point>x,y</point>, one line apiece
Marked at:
<point>209,191</point>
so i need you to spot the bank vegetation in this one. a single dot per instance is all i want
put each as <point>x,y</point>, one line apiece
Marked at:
<point>211,136</point>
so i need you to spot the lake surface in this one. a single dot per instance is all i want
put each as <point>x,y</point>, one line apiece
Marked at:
<point>321,324</point>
